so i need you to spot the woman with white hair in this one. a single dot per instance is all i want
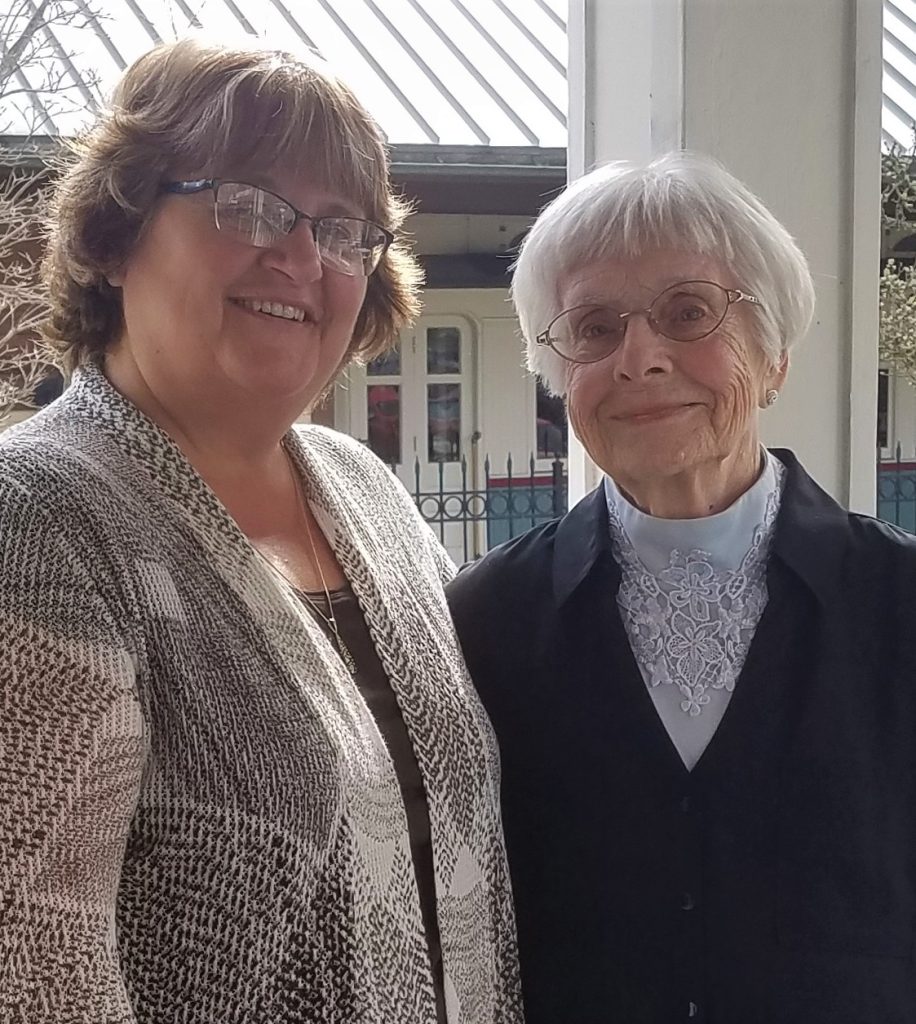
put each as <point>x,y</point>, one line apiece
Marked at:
<point>702,676</point>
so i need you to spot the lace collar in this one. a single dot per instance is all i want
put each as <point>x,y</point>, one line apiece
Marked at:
<point>725,538</point>
<point>692,591</point>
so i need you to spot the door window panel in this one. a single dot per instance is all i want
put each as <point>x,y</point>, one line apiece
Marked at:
<point>443,350</point>
<point>388,364</point>
<point>551,425</point>
<point>443,417</point>
<point>383,415</point>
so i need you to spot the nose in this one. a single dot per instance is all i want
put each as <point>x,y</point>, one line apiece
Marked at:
<point>642,353</point>
<point>296,255</point>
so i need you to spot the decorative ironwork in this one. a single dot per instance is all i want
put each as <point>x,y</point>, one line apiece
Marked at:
<point>508,506</point>
<point>897,490</point>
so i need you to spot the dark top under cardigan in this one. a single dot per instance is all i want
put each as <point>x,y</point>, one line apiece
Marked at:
<point>375,689</point>
<point>776,882</point>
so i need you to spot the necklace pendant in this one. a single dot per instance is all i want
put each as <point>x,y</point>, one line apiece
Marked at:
<point>346,657</point>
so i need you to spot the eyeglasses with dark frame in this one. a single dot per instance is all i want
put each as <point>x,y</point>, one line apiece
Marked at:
<point>684,312</point>
<point>259,217</point>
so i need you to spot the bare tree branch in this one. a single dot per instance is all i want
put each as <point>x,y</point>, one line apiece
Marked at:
<point>14,53</point>
<point>36,83</point>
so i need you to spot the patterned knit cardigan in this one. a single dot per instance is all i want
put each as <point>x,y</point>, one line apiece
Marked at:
<point>199,820</point>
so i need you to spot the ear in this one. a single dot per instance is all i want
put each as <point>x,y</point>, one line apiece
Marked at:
<point>776,378</point>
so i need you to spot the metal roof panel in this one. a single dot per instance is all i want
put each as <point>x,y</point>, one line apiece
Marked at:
<point>899,79</point>
<point>460,72</point>
<point>450,72</point>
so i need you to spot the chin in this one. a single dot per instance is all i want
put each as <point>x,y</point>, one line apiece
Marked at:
<point>654,462</point>
<point>296,375</point>
<point>282,389</point>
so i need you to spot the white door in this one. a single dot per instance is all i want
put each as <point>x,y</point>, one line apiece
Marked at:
<point>416,409</point>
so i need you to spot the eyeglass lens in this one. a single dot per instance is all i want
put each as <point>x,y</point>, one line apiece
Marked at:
<point>686,311</point>
<point>346,244</point>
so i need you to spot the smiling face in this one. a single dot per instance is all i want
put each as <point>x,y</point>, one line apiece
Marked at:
<point>214,321</point>
<point>655,408</point>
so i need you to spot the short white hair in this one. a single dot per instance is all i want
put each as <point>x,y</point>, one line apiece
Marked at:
<point>680,201</point>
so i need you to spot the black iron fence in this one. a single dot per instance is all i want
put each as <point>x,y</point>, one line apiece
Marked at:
<point>472,516</point>
<point>897,490</point>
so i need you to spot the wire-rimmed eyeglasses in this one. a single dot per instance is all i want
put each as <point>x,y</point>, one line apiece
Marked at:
<point>259,217</point>
<point>686,311</point>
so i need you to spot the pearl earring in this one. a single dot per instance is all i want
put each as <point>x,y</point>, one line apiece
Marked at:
<point>772,396</point>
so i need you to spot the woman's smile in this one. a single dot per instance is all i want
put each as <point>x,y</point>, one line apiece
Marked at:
<point>276,316</point>
<point>655,413</point>
<point>278,310</point>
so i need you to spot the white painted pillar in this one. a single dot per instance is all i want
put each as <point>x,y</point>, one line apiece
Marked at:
<point>788,96</point>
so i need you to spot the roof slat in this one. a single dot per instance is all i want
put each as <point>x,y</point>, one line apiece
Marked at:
<point>532,85</point>
<point>144,21</point>
<point>104,38</point>
<point>295,26</point>
<point>438,84</point>
<point>530,36</point>
<point>552,14</point>
<point>475,72</point>
<point>431,133</point>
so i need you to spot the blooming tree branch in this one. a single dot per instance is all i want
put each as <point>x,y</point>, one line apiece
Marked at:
<point>897,291</point>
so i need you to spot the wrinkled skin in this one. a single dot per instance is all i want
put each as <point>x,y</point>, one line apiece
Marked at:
<point>675,424</point>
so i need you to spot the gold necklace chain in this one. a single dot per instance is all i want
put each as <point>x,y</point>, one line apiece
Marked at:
<point>330,618</point>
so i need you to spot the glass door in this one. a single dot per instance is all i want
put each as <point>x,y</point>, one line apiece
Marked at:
<point>415,408</point>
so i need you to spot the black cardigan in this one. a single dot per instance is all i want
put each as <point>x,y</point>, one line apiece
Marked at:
<point>776,882</point>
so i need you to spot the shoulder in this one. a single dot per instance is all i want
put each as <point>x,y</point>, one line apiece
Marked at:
<point>34,457</point>
<point>326,439</point>
<point>56,460</point>
<point>817,522</point>
<point>356,473</point>
<point>560,552</point>
<point>356,479</point>
<point>875,542</point>
<point>337,452</point>
<point>861,568</point>
<point>517,569</point>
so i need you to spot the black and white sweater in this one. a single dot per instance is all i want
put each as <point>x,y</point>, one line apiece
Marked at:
<point>199,820</point>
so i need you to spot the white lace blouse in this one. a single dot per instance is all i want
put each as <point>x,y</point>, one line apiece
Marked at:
<point>691,595</point>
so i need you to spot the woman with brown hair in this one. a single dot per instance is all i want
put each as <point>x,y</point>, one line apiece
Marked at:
<point>243,773</point>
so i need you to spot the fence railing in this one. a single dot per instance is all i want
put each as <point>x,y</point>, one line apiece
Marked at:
<point>470,520</point>
<point>897,490</point>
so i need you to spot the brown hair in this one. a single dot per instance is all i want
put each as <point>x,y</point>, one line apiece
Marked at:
<point>194,107</point>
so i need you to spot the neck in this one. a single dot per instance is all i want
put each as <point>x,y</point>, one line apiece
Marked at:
<point>703,490</point>
<point>221,443</point>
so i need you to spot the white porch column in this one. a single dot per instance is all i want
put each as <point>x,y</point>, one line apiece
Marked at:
<point>788,96</point>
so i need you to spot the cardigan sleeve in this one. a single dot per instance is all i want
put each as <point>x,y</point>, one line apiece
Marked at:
<point>72,748</point>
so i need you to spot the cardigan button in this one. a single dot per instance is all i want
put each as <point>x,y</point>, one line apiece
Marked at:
<point>693,1010</point>
<point>687,902</point>
<point>685,804</point>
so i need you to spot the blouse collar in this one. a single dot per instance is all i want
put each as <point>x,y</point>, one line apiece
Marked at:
<point>725,537</point>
